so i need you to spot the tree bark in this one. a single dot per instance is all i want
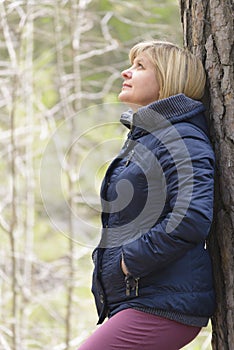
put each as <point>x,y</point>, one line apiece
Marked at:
<point>208,32</point>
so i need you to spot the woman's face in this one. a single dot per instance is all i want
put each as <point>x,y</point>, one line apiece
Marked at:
<point>140,86</point>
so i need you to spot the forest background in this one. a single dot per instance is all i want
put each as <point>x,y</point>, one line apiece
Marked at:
<point>60,64</point>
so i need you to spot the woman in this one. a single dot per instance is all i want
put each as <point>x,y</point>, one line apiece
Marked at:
<point>153,276</point>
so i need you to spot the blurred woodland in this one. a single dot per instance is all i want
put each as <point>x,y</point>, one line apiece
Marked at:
<point>60,64</point>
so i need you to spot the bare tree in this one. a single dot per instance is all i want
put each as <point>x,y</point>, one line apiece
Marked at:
<point>12,224</point>
<point>208,31</point>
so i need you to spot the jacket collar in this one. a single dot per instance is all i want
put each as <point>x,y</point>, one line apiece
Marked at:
<point>162,113</point>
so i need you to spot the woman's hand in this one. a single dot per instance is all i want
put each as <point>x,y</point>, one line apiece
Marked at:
<point>124,267</point>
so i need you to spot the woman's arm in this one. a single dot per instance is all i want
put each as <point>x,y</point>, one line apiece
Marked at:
<point>188,222</point>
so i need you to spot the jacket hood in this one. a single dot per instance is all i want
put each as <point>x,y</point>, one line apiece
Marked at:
<point>164,112</point>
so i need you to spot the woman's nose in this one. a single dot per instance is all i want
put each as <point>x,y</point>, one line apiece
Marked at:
<point>126,74</point>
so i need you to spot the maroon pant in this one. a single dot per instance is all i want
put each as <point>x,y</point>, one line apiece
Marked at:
<point>136,330</point>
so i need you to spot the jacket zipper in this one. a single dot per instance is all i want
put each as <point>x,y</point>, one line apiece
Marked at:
<point>130,155</point>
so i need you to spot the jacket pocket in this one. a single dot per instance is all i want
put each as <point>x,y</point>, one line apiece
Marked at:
<point>113,278</point>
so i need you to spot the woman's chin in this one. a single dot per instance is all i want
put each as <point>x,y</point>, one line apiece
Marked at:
<point>122,97</point>
<point>126,101</point>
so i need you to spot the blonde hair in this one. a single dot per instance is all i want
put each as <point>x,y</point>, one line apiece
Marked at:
<point>177,70</point>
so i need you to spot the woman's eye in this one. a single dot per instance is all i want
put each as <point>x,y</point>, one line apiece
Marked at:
<point>140,65</point>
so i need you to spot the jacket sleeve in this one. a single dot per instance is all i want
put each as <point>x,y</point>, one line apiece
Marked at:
<point>189,179</point>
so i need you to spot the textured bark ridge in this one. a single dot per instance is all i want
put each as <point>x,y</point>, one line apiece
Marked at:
<point>209,32</point>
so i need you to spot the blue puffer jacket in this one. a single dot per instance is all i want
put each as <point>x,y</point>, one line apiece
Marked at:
<point>157,200</point>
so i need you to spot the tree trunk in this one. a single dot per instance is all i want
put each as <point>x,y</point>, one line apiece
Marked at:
<point>208,32</point>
